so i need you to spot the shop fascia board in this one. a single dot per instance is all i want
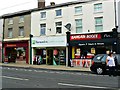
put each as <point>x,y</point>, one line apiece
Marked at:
<point>16,39</point>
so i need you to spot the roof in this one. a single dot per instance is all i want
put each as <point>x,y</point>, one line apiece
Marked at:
<point>62,5</point>
<point>16,13</point>
<point>47,7</point>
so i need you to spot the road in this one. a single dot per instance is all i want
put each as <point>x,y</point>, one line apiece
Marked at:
<point>35,78</point>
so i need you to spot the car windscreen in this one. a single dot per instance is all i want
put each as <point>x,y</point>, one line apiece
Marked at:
<point>98,57</point>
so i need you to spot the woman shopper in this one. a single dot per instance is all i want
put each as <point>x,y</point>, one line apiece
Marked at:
<point>111,64</point>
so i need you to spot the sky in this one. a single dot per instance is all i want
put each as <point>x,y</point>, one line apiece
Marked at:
<point>10,6</point>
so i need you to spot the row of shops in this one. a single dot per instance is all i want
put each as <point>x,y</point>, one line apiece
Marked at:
<point>71,49</point>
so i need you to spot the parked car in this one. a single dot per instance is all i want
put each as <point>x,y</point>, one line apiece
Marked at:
<point>99,63</point>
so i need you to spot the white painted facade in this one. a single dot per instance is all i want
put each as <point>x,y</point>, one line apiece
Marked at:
<point>68,16</point>
<point>1,36</point>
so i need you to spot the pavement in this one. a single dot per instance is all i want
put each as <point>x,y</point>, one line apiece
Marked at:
<point>47,67</point>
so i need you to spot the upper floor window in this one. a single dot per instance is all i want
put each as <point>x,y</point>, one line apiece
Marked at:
<point>10,21</point>
<point>59,12</point>
<point>78,25</point>
<point>10,32</point>
<point>98,7</point>
<point>58,27</point>
<point>42,29</point>
<point>43,14</point>
<point>78,10</point>
<point>21,19</point>
<point>99,23</point>
<point>21,31</point>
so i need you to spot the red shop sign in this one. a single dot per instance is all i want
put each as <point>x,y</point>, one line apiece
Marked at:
<point>85,37</point>
<point>11,45</point>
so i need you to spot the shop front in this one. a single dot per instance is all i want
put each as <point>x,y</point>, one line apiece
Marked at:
<point>49,50</point>
<point>85,46</point>
<point>16,51</point>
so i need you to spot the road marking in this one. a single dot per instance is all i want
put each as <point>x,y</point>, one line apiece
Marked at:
<point>65,84</point>
<point>15,78</point>
<point>29,70</point>
<point>25,70</point>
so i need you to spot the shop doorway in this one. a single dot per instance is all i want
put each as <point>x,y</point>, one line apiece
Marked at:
<point>11,54</point>
<point>40,56</point>
<point>50,56</point>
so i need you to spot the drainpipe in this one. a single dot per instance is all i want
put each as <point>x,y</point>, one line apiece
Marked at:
<point>115,13</point>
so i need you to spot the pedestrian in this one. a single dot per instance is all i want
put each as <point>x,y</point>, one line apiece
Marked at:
<point>111,64</point>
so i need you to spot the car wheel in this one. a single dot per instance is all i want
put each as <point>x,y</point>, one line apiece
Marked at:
<point>99,70</point>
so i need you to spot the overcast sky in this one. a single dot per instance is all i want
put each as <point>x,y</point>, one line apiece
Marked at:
<point>10,6</point>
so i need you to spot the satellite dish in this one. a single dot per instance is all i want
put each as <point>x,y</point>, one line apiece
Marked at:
<point>68,26</point>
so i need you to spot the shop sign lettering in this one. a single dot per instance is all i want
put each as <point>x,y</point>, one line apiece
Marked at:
<point>85,37</point>
<point>37,42</point>
<point>41,41</point>
<point>90,44</point>
<point>107,36</point>
<point>11,45</point>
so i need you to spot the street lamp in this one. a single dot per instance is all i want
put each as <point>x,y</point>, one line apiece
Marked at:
<point>31,48</point>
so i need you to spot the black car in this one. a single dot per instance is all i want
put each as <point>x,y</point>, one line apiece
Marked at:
<point>99,63</point>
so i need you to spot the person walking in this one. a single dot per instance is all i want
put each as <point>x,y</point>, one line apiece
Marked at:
<point>111,64</point>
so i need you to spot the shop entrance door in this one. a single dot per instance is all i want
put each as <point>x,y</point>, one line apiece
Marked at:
<point>50,56</point>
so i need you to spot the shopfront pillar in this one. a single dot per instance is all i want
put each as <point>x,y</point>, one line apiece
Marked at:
<point>31,48</point>
<point>115,36</point>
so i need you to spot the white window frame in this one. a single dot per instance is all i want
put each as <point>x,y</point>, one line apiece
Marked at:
<point>60,14</point>
<point>43,29</point>
<point>58,25</point>
<point>10,32</point>
<point>98,7</point>
<point>78,10</point>
<point>98,24</point>
<point>21,19</point>
<point>43,15</point>
<point>80,26</point>
<point>10,21</point>
<point>21,31</point>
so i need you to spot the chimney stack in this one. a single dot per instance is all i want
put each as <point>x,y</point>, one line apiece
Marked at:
<point>41,3</point>
<point>52,3</point>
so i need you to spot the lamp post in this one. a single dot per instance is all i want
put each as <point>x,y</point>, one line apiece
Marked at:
<point>69,49</point>
<point>68,27</point>
<point>31,48</point>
